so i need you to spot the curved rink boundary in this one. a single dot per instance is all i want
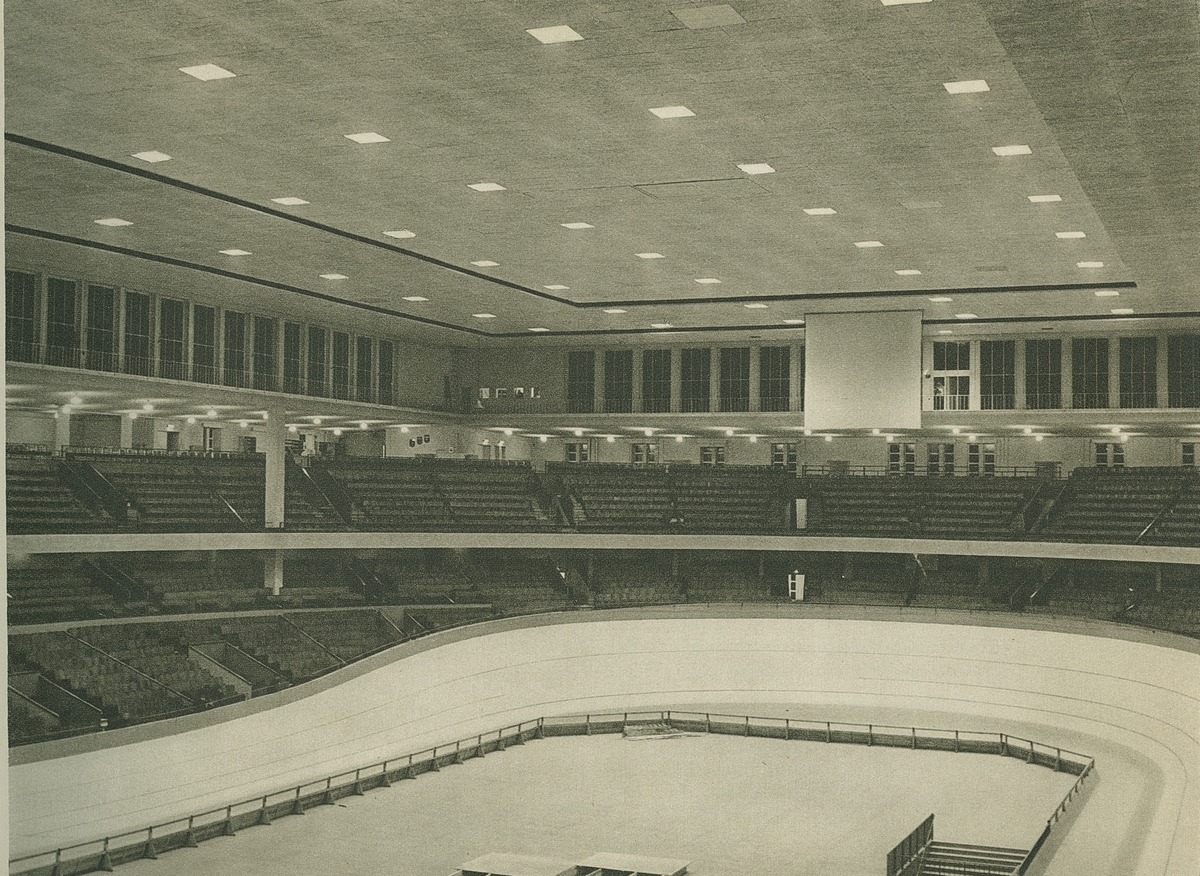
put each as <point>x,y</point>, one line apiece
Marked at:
<point>1086,686</point>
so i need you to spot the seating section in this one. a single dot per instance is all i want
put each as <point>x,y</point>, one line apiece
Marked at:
<point>348,634</point>
<point>732,576</point>
<point>1181,524</point>
<point>415,577</point>
<point>1114,507</point>
<point>515,582</point>
<point>490,497</point>
<point>635,578</point>
<point>877,507</point>
<point>39,500</point>
<point>394,495</point>
<point>281,645</point>
<point>48,587</point>
<point>743,499</point>
<point>613,498</point>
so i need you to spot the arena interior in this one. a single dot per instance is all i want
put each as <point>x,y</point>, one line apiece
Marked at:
<point>768,424</point>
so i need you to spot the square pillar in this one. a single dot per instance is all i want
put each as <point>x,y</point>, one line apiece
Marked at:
<point>273,571</point>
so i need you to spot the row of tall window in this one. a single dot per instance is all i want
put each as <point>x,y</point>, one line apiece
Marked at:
<point>695,391</point>
<point>102,328</point>
<point>1094,375</point>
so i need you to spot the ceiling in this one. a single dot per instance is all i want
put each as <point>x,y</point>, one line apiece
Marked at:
<point>844,100</point>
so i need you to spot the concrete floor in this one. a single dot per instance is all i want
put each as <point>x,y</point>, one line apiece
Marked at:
<point>730,805</point>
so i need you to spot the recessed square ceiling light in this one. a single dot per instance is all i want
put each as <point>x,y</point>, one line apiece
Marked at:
<point>486,187</point>
<point>334,277</point>
<point>660,325</point>
<point>206,72</point>
<point>699,17</point>
<point>965,316</point>
<point>485,263</point>
<point>867,244</point>
<point>650,255</point>
<point>539,329</point>
<point>614,310</point>
<point>821,211</point>
<point>1089,264</point>
<point>415,298</point>
<point>967,86</point>
<point>402,235</point>
<point>367,137</point>
<point>576,226</point>
<point>236,252</point>
<point>945,331</point>
<point>1012,150</point>
<point>1107,293</point>
<point>113,222</point>
<point>941,299</point>
<point>1045,199</point>
<point>1122,310</point>
<point>908,272</point>
<point>672,112</point>
<point>1069,235</point>
<point>755,169</point>
<point>558,287</point>
<point>153,156</point>
<point>708,281</point>
<point>558,34</point>
<point>756,305</point>
<point>484,315</point>
<point>290,201</point>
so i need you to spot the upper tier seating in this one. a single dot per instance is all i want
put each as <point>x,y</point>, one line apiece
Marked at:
<point>722,499</point>
<point>393,495</point>
<point>1114,506</point>
<point>39,500</point>
<point>616,498</point>
<point>1180,525</point>
<point>48,587</point>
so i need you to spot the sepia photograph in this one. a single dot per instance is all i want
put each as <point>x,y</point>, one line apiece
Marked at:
<point>602,437</point>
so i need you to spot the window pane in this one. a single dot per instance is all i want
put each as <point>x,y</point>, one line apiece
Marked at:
<point>137,334</point>
<point>581,382</point>
<point>694,387</point>
<point>204,344</point>
<point>618,381</point>
<point>316,361</point>
<point>101,328</point>
<point>62,332</point>
<point>656,381</point>
<point>20,316</point>
<point>1089,373</point>
<point>1138,370</point>
<point>172,339</point>
<point>264,353</point>
<point>384,371</point>
<point>1183,371</point>
<point>1043,374</point>
<point>997,375</point>
<point>341,365</point>
<point>774,378</point>
<point>362,370</point>
<point>235,349</point>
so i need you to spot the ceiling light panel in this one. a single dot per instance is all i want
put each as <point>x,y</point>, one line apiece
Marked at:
<point>794,321</point>
<point>152,157</point>
<point>969,86</point>
<point>236,252</point>
<point>868,244</point>
<point>334,277</point>
<point>820,211</point>
<point>1089,264</point>
<point>113,222</point>
<point>367,137</point>
<point>576,226</point>
<point>486,187</point>
<point>290,201</point>
<point>1107,293</point>
<point>557,287</point>
<point>672,112</point>
<point>908,272</point>
<point>207,72</point>
<point>1069,235</point>
<point>903,2</point>
<point>415,298</point>
<point>941,299</point>
<point>402,235</point>
<point>1122,310</point>
<point>650,255</point>
<point>1006,151</point>
<point>558,34</point>
<point>708,281</point>
<point>1045,199</point>
<point>755,169</point>
<point>756,305</point>
<point>614,310</point>
<point>484,315</point>
<point>486,263</point>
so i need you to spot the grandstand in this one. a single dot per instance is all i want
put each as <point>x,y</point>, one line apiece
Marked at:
<point>388,385</point>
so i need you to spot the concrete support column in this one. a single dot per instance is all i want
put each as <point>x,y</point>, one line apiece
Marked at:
<point>273,450</point>
<point>62,429</point>
<point>273,571</point>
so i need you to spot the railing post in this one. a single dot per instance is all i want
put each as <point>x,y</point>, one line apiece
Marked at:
<point>190,840</point>
<point>1030,758</point>
<point>358,788</point>
<point>587,725</point>
<point>870,734</point>
<point>747,733</point>
<point>327,797</point>
<point>707,723</point>
<point>297,806</point>
<point>1058,760</point>
<point>384,781</point>
<point>433,764</point>
<point>828,732</point>
<point>105,862</point>
<point>787,729</point>
<point>914,730</point>
<point>956,749</point>
<point>149,851</point>
<point>264,816</point>
<point>56,870</point>
<point>227,827</point>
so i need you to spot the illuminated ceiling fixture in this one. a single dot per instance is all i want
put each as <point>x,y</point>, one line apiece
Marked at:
<point>1069,235</point>
<point>415,298</point>
<point>661,325</point>
<point>672,112</point>
<point>486,263</point>
<point>614,310</point>
<point>539,329</point>
<point>367,137</point>
<point>484,315</point>
<point>1045,199</point>
<point>821,211</point>
<point>968,86</point>
<point>207,72</point>
<point>558,34</point>
<point>909,272</point>
<point>290,201</point>
<point>755,169</point>
<point>1107,293</point>
<point>152,156</point>
<point>557,287</point>
<point>236,252</point>
<point>793,322</point>
<point>1089,264</point>
<point>576,226</point>
<point>708,281</point>
<point>650,255</point>
<point>113,222</point>
<point>334,277</point>
<point>486,187</point>
<point>757,305</point>
<point>868,244</point>
<point>1006,151</point>
<point>402,235</point>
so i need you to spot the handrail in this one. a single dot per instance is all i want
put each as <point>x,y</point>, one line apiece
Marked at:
<point>116,659</point>
<point>292,800</point>
<point>1166,509</point>
<point>287,620</point>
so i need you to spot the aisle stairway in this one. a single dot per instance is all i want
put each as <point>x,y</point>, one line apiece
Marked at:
<point>958,859</point>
